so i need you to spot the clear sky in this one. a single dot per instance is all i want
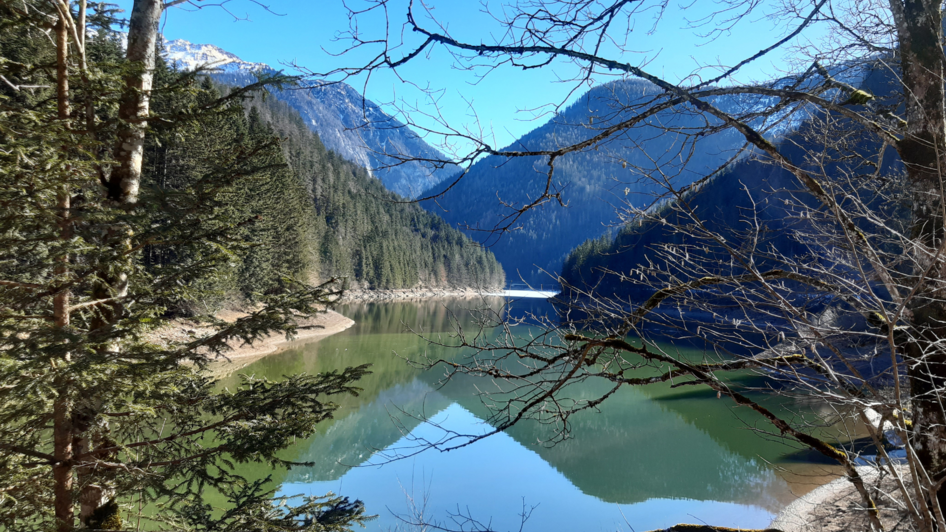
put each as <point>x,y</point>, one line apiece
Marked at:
<point>304,31</point>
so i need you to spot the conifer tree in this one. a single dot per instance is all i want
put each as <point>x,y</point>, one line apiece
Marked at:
<point>94,418</point>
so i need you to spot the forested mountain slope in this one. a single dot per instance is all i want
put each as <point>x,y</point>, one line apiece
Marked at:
<point>337,113</point>
<point>298,210</point>
<point>596,185</point>
<point>749,189</point>
<point>366,232</point>
<point>754,207</point>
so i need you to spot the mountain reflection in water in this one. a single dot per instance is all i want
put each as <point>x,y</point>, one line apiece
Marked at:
<point>658,455</point>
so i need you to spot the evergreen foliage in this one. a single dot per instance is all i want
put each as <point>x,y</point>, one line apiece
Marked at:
<point>269,210</point>
<point>304,212</point>
<point>237,199</point>
<point>96,422</point>
<point>362,231</point>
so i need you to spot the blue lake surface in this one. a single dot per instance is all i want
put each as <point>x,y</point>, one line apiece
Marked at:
<point>650,458</point>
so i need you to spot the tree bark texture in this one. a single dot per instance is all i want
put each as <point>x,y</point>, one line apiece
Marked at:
<point>125,179</point>
<point>922,151</point>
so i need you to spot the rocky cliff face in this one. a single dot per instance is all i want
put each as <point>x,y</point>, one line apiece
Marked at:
<point>347,123</point>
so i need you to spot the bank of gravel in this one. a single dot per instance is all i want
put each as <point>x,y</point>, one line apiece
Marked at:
<point>409,294</point>
<point>837,507</point>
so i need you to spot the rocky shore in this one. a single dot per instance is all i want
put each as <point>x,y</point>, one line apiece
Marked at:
<point>410,294</point>
<point>837,507</point>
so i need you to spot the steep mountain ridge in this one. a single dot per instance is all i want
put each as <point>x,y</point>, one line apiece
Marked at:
<point>347,123</point>
<point>303,211</point>
<point>753,193</point>
<point>598,186</point>
<point>603,186</point>
<point>187,56</point>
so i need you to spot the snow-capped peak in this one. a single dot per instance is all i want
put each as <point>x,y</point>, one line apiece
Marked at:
<point>188,56</point>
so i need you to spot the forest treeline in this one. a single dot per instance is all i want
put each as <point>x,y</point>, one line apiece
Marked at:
<point>304,212</point>
<point>363,230</point>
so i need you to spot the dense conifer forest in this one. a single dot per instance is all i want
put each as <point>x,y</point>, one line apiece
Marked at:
<point>362,230</point>
<point>307,213</point>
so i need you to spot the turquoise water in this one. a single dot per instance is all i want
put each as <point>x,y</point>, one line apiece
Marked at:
<point>650,458</point>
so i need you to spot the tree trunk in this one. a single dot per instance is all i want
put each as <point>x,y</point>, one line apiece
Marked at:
<point>62,471</point>
<point>125,178</point>
<point>133,111</point>
<point>922,151</point>
<point>122,188</point>
<point>62,415</point>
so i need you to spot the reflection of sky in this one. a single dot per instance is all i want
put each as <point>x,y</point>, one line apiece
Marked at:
<point>492,478</point>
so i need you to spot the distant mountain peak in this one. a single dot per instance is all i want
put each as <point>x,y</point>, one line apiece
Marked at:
<point>189,56</point>
<point>352,126</point>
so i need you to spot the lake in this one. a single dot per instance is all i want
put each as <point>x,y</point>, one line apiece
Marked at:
<point>650,458</point>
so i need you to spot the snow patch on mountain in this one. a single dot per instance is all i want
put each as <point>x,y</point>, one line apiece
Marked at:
<point>347,123</point>
<point>189,56</point>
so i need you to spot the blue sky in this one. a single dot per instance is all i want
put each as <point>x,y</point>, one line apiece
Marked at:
<point>503,103</point>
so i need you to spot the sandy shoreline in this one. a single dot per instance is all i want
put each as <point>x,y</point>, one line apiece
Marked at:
<point>314,328</point>
<point>323,324</point>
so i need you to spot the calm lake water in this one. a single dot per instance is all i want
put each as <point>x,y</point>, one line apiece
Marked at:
<point>650,458</point>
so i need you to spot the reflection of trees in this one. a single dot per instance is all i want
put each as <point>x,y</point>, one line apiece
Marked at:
<point>353,439</point>
<point>652,442</point>
<point>637,449</point>
<point>423,316</point>
<point>644,443</point>
<point>732,427</point>
<point>362,423</point>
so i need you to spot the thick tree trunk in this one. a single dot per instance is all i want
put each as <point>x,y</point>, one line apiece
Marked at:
<point>133,111</point>
<point>122,188</point>
<point>125,178</point>
<point>922,151</point>
<point>93,494</point>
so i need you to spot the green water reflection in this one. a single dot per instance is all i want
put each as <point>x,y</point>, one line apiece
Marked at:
<point>661,452</point>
